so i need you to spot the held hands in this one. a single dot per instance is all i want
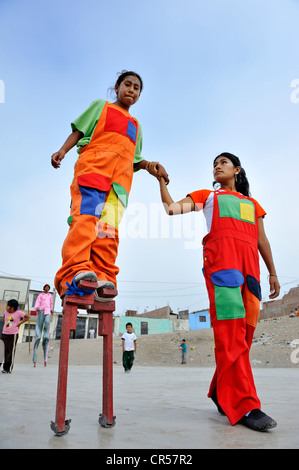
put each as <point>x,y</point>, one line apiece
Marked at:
<point>157,170</point>
<point>56,158</point>
<point>274,286</point>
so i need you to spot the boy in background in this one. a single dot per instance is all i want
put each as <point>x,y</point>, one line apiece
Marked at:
<point>129,347</point>
<point>183,347</point>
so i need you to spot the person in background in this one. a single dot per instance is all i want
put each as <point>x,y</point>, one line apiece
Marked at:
<point>13,319</point>
<point>129,340</point>
<point>183,347</point>
<point>44,307</point>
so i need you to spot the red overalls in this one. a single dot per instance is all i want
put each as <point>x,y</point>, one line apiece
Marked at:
<point>100,188</point>
<point>231,270</point>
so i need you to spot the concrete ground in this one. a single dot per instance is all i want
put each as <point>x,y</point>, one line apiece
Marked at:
<point>155,408</point>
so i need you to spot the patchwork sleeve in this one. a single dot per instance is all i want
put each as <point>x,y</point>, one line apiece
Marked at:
<point>87,122</point>
<point>259,210</point>
<point>137,157</point>
<point>199,198</point>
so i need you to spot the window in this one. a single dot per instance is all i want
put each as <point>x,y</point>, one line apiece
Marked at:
<point>202,319</point>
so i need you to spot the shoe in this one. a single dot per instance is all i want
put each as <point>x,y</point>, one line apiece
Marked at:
<point>103,285</point>
<point>214,398</point>
<point>84,276</point>
<point>258,421</point>
<point>5,372</point>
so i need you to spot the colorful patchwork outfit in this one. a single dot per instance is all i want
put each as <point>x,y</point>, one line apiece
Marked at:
<point>231,271</point>
<point>111,145</point>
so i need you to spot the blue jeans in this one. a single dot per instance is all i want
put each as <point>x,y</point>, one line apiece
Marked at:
<point>42,321</point>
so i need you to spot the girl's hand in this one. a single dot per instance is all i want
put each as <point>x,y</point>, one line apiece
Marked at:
<point>162,173</point>
<point>157,170</point>
<point>274,287</point>
<point>56,158</point>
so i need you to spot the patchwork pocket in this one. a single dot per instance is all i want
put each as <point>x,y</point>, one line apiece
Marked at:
<point>228,298</point>
<point>92,201</point>
<point>254,286</point>
<point>113,210</point>
<point>235,208</point>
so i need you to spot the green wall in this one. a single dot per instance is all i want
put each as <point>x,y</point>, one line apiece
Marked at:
<point>155,325</point>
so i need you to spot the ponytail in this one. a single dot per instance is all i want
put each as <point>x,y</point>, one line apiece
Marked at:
<point>242,184</point>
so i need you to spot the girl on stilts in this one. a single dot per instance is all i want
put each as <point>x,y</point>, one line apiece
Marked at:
<point>109,142</point>
<point>231,250</point>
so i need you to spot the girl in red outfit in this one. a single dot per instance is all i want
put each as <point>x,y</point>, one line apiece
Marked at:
<point>231,271</point>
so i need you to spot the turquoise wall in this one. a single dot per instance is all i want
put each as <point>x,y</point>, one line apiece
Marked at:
<point>155,325</point>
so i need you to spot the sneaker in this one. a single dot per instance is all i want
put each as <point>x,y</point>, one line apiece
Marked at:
<point>258,421</point>
<point>84,276</point>
<point>103,285</point>
<point>5,372</point>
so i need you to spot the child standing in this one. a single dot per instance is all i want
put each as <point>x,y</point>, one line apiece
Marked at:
<point>44,307</point>
<point>109,143</point>
<point>129,340</point>
<point>231,270</point>
<point>183,347</point>
<point>13,319</point>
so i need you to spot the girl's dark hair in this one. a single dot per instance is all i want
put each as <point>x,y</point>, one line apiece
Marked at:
<point>13,303</point>
<point>45,286</point>
<point>125,73</point>
<point>242,183</point>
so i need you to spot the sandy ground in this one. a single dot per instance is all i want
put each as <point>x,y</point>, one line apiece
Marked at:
<point>271,348</point>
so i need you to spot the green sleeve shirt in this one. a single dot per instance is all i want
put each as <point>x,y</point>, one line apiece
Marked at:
<point>87,121</point>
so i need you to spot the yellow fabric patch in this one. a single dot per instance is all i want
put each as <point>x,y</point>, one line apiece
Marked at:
<point>247,212</point>
<point>113,210</point>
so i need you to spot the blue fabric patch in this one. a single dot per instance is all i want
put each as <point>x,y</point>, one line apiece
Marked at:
<point>131,131</point>
<point>228,278</point>
<point>92,202</point>
<point>254,286</point>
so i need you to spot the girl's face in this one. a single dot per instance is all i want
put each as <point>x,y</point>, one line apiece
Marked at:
<point>224,170</point>
<point>128,91</point>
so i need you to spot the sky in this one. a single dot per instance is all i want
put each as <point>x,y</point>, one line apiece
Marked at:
<point>219,76</point>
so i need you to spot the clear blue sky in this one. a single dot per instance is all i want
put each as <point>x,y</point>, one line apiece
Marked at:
<point>217,77</point>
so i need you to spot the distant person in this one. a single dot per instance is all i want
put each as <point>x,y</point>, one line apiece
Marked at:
<point>91,333</point>
<point>13,319</point>
<point>44,307</point>
<point>183,347</point>
<point>129,340</point>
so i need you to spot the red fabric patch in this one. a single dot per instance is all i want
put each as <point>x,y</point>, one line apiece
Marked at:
<point>93,180</point>
<point>117,122</point>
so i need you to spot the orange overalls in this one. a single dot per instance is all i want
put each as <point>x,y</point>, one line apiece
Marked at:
<point>231,270</point>
<point>99,191</point>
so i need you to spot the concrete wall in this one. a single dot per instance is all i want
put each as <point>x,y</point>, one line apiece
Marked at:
<point>155,325</point>
<point>281,307</point>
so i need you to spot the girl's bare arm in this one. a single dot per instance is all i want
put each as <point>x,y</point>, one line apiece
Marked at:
<point>265,251</point>
<point>173,208</point>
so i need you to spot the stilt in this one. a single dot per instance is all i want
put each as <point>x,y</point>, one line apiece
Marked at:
<point>105,311</point>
